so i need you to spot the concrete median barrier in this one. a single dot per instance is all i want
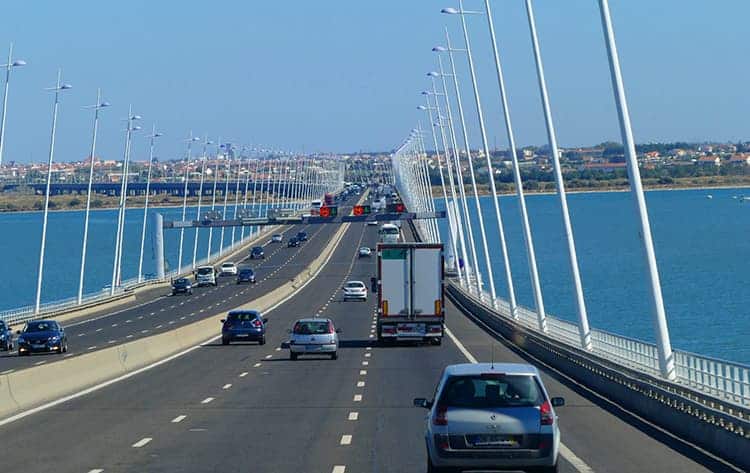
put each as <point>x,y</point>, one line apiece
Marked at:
<point>30,388</point>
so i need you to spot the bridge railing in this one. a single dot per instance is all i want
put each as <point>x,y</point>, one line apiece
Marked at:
<point>723,379</point>
<point>22,314</point>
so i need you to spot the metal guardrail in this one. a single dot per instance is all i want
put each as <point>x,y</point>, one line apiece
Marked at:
<point>22,314</point>
<point>725,380</point>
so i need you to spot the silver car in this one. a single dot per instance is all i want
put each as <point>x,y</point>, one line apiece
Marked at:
<point>491,416</point>
<point>313,337</point>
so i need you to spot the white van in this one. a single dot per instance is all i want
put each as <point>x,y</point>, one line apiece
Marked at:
<point>389,233</point>
<point>205,276</point>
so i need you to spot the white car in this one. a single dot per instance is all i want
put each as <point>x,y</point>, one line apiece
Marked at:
<point>314,337</point>
<point>355,290</point>
<point>365,252</point>
<point>277,238</point>
<point>491,416</point>
<point>205,276</point>
<point>228,269</point>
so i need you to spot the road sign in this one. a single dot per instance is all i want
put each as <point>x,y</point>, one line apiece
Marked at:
<point>358,210</point>
<point>327,212</point>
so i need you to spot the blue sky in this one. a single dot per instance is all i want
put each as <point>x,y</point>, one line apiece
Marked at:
<point>343,75</point>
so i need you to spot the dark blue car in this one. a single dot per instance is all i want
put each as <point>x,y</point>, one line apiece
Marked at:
<point>42,336</point>
<point>6,337</point>
<point>243,325</point>
<point>246,275</point>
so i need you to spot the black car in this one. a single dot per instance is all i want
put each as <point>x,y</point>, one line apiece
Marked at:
<point>6,337</point>
<point>42,336</point>
<point>246,275</point>
<point>182,286</point>
<point>293,242</point>
<point>257,253</point>
<point>302,236</point>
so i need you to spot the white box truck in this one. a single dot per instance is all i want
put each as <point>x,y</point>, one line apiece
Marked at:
<point>411,300</point>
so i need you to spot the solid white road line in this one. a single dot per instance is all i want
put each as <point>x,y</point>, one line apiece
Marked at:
<point>207,400</point>
<point>346,440</point>
<point>178,419</point>
<point>565,452</point>
<point>354,415</point>
<point>40,363</point>
<point>142,442</point>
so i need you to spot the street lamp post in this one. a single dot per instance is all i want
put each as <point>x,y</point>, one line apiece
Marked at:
<point>583,321</point>
<point>117,266</point>
<point>190,142</point>
<point>213,207</point>
<point>152,140</point>
<point>204,158</point>
<point>663,344</point>
<point>57,89</point>
<point>8,67</point>
<point>92,156</point>
<point>226,199</point>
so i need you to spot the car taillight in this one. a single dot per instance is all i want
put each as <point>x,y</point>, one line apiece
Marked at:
<point>330,328</point>
<point>257,323</point>
<point>545,413</point>
<point>441,416</point>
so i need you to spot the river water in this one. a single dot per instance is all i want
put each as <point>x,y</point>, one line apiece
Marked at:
<point>702,249</point>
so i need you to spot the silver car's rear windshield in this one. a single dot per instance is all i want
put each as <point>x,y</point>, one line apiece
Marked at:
<point>355,285</point>
<point>311,328</point>
<point>493,390</point>
<point>204,271</point>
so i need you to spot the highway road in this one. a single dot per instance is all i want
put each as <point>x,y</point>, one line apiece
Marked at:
<point>246,407</point>
<point>156,310</point>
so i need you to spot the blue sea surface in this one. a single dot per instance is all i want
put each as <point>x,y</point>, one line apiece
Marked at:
<point>702,250</point>
<point>21,239</point>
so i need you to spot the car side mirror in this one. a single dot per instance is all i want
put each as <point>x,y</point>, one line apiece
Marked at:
<point>338,330</point>
<point>223,320</point>
<point>265,320</point>
<point>18,332</point>
<point>557,401</point>
<point>422,402</point>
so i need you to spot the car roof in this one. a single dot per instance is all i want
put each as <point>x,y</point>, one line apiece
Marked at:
<point>466,369</point>
<point>227,263</point>
<point>205,266</point>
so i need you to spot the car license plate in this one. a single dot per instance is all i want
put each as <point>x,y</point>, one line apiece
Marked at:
<point>242,335</point>
<point>37,347</point>
<point>492,441</point>
<point>413,330</point>
<point>313,347</point>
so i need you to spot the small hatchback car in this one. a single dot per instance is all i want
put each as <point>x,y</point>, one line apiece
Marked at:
<point>491,416</point>
<point>314,337</point>
<point>292,243</point>
<point>246,275</point>
<point>181,286</point>
<point>245,326</point>
<point>355,290</point>
<point>257,253</point>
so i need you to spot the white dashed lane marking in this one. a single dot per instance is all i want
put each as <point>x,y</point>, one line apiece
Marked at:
<point>207,400</point>
<point>142,442</point>
<point>178,419</point>
<point>346,440</point>
<point>354,415</point>
<point>227,386</point>
<point>357,398</point>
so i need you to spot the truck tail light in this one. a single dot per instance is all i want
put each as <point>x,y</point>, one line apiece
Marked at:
<point>384,307</point>
<point>545,413</point>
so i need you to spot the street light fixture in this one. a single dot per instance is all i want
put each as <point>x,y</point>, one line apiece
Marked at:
<point>8,66</point>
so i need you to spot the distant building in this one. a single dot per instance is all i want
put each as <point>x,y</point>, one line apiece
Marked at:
<point>740,159</point>
<point>709,161</point>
